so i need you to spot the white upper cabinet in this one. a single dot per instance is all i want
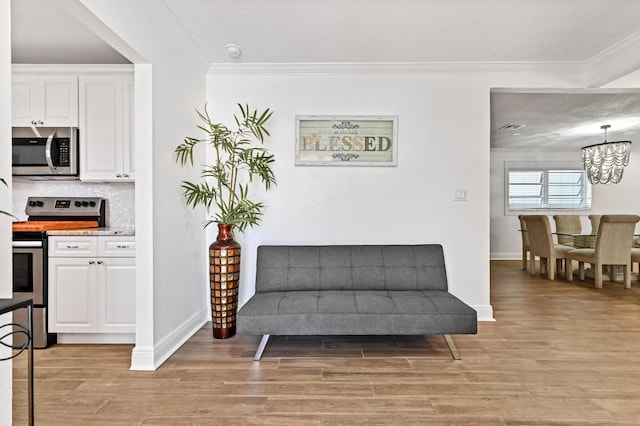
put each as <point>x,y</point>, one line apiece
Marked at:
<point>45,100</point>
<point>106,128</point>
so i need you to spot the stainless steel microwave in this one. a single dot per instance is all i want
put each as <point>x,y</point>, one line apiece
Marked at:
<point>45,152</point>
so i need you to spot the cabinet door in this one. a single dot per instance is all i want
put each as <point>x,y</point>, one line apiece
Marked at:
<point>42,100</point>
<point>101,124</point>
<point>24,92</point>
<point>59,101</point>
<point>117,295</point>
<point>73,291</point>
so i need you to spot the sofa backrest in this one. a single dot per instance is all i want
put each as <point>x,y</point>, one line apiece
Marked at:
<point>351,267</point>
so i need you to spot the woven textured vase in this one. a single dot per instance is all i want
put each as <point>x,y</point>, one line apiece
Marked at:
<point>224,276</point>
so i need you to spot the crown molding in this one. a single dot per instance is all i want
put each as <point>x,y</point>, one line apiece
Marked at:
<point>570,68</point>
<point>72,68</point>
<point>617,61</point>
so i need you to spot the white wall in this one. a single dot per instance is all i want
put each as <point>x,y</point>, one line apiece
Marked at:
<point>5,201</point>
<point>172,301</point>
<point>443,134</point>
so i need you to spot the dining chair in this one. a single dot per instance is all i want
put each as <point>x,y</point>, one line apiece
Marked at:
<point>525,241</point>
<point>595,222</point>
<point>635,257</point>
<point>569,223</point>
<point>613,247</point>
<point>541,244</point>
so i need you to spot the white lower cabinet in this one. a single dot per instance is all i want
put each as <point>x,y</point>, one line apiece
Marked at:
<point>92,288</point>
<point>73,295</point>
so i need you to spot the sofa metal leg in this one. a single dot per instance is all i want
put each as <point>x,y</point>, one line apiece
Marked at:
<point>452,347</point>
<point>261,346</point>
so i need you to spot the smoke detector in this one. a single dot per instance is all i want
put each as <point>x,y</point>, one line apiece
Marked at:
<point>233,50</point>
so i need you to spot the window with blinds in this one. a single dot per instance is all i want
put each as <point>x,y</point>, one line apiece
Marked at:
<point>543,189</point>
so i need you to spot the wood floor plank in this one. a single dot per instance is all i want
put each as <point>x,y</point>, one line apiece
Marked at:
<point>559,353</point>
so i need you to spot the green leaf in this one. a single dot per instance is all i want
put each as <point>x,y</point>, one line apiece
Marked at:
<point>237,161</point>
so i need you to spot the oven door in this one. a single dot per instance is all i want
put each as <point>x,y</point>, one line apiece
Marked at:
<point>29,280</point>
<point>28,271</point>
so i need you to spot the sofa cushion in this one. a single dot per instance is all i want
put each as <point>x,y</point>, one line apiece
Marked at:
<point>409,267</point>
<point>360,312</point>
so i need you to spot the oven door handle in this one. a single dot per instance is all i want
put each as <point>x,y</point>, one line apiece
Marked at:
<point>26,244</point>
<point>47,151</point>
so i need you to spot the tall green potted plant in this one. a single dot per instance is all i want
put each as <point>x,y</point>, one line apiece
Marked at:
<point>238,160</point>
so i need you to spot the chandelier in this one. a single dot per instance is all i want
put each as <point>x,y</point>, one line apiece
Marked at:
<point>604,162</point>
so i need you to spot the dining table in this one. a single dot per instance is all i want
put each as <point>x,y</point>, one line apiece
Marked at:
<point>582,240</point>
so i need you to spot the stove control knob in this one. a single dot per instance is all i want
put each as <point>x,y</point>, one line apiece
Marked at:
<point>32,203</point>
<point>39,204</point>
<point>92,203</point>
<point>77,204</point>
<point>85,204</point>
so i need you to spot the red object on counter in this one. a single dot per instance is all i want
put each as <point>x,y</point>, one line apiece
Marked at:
<point>52,225</point>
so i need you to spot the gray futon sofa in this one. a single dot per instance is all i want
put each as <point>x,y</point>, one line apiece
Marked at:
<point>353,290</point>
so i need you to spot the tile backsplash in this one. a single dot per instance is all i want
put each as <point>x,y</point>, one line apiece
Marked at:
<point>120,197</point>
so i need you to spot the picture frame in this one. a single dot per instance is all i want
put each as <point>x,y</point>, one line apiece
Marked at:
<point>349,140</point>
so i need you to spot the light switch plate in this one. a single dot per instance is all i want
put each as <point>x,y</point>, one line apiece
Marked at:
<point>461,195</point>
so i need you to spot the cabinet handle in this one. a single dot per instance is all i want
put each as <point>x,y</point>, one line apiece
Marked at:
<point>72,247</point>
<point>100,262</point>
<point>40,122</point>
<point>91,262</point>
<point>118,175</point>
<point>122,246</point>
<point>34,122</point>
<point>126,175</point>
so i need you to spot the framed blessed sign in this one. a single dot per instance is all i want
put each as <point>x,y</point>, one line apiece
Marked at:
<point>346,140</point>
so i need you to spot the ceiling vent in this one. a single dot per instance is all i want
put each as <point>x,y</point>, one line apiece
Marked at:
<point>512,126</point>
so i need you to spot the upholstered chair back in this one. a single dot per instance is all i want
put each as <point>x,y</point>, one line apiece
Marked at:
<point>525,241</point>
<point>569,223</point>
<point>523,232</point>
<point>615,238</point>
<point>595,222</point>
<point>540,238</point>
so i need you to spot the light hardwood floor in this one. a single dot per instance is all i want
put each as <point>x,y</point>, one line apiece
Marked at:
<point>559,353</point>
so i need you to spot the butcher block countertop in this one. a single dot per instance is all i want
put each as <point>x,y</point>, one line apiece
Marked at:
<point>47,225</point>
<point>126,231</point>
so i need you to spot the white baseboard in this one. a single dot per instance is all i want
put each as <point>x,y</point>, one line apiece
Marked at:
<point>96,338</point>
<point>505,256</point>
<point>485,312</point>
<point>149,358</point>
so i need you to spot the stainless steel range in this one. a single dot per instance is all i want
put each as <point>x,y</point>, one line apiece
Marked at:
<point>30,251</point>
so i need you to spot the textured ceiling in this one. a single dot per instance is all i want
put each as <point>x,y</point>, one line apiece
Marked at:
<point>407,30</point>
<point>567,120</point>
